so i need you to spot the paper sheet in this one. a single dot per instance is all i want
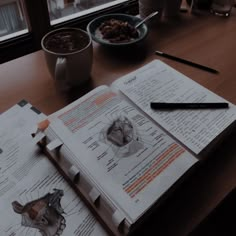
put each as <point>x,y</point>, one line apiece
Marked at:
<point>34,199</point>
<point>117,146</point>
<point>157,82</point>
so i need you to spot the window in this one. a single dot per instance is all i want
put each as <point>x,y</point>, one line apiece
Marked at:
<point>12,19</point>
<point>63,10</point>
<point>23,23</point>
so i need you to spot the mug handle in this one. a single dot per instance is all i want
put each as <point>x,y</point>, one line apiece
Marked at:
<point>60,68</point>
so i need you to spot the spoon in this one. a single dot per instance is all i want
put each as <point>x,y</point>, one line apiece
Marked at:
<point>146,18</point>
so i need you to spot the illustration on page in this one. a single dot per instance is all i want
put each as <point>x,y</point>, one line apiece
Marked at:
<point>44,214</point>
<point>45,205</point>
<point>123,136</point>
<point>111,137</point>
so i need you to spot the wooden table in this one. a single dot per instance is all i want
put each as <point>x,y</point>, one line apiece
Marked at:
<point>206,39</point>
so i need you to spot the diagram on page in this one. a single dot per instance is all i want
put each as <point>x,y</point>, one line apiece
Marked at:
<point>122,135</point>
<point>44,214</point>
<point>45,205</point>
<point>123,151</point>
<point>128,146</point>
<point>120,139</point>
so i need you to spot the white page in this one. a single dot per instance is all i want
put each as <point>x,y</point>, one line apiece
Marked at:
<point>47,204</point>
<point>133,159</point>
<point>157,82</point>
<point>27,176</point>
<point>15,161</point>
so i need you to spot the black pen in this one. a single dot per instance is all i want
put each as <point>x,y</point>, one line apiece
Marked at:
<point>187,62</point>
<point>171,106</point>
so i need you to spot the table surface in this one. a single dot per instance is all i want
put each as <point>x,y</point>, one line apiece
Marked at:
<point>204,38</point>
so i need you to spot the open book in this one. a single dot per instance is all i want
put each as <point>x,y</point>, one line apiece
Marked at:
<point>122,156</point>
<point>35,200</point>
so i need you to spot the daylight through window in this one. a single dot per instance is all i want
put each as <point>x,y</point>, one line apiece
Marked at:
<point>12,19</point>
<point>63,10</point>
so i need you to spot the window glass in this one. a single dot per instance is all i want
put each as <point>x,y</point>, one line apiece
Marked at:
<point>12,19</point>
<point>62,10</point>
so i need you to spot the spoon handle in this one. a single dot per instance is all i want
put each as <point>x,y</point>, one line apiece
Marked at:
<point>146,18</point>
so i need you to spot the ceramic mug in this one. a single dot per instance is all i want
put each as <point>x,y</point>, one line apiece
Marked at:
<point>69,56</point>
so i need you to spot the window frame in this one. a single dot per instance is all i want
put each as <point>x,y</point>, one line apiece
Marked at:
<point>38,26</point>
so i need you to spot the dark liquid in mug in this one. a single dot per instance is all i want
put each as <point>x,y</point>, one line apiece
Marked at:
<point>66,41</point>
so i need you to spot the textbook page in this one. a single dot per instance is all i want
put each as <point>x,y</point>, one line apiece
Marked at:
<point>158,82</point>
<point>125,155</point>
<point>34,199</point>
<point>44,204</point>
<point>15,162</point>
